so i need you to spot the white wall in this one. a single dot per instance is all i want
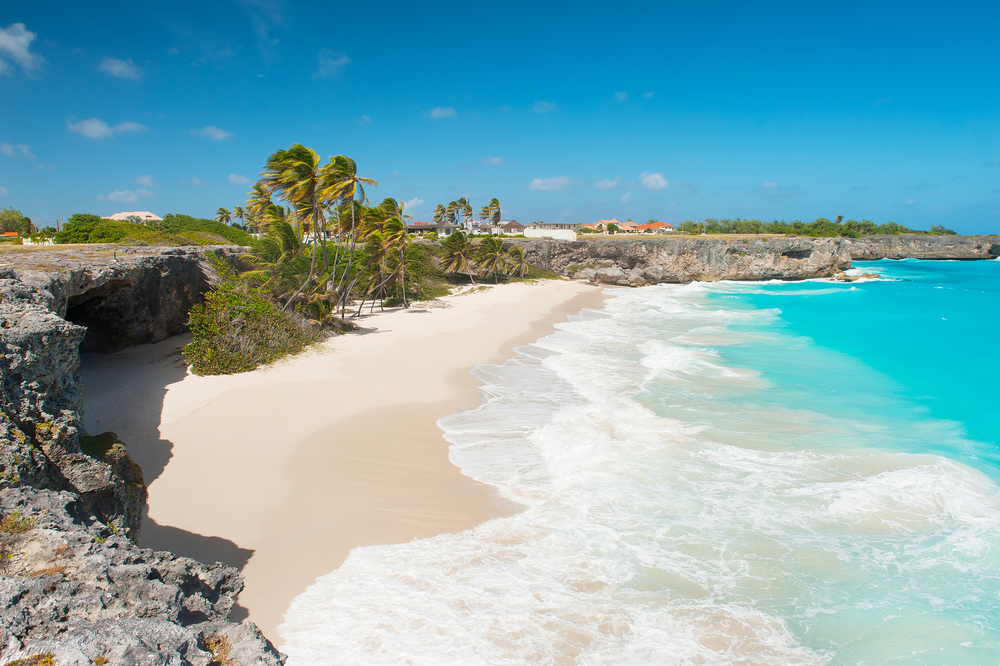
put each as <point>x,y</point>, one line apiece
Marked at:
<point>558,234</point>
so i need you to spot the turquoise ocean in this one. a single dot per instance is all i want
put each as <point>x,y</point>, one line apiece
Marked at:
<point>713,473</point>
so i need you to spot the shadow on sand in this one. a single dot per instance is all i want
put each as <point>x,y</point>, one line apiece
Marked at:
<point>123,393</point>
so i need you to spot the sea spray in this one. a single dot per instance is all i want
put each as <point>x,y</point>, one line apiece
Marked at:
<point>702,483</point>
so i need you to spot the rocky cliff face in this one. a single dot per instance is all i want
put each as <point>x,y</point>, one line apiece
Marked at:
<point>924,247</point>
<point>77,592</point>
<point>632,261</point>
<point>54,474</point>
<point>639,261</point>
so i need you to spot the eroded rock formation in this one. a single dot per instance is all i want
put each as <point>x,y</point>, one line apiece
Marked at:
<point>74,583</point>
<point>639,261</point>
<point>77,591</point>
<point>924,247</point>
<point>636,261</point>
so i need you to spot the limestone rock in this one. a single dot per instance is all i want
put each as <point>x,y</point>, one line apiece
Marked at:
<point>75,589</point>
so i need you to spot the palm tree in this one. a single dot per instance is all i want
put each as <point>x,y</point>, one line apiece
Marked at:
<point>258,202</point>
<point>239,213</point>
<point>397,238</point>
<point>297,174</point>
<point>440,213</point>
<point>223,215</point>
<point>457,255</point>
<point>495,213</point>
<point>463,208</point>
<point>490,256</point>
<point>515,260</point>
<point>346,186</point>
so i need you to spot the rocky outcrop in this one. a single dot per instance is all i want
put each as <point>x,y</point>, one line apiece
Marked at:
<point>73,589</point>
<point>75,585</point>
<point>640,261</point>
<point>136,296</point>
<point>631,261</point>
<point>923,247</point>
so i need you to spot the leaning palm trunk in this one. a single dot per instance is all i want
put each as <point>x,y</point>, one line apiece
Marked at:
<point>312,264</point>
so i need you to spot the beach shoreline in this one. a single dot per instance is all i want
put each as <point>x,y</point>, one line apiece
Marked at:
<point>283,470</point>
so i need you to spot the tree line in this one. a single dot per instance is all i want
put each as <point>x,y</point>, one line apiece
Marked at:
<point>820,227</point>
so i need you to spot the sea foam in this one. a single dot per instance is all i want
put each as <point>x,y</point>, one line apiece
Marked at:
<point>682,508</point>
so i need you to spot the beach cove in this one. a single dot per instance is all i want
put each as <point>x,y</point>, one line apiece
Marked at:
<point>283,470</point>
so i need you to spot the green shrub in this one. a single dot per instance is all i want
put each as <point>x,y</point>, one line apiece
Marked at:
<point>238,328</point>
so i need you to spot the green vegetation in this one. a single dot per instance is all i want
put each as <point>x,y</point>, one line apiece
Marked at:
<point>323,250</point>
<point>12,219</point>
<point>15,523</point>
<point>98,446</point>
<point>821,227</point>
<point>43,659</point>
<point>239,328</point>
<point>173,230</point>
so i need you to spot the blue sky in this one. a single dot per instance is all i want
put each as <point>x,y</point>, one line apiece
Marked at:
<point>569,111</point>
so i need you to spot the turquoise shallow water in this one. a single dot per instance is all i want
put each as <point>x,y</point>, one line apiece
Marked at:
<point>931,330</point>
<point>724,473</point>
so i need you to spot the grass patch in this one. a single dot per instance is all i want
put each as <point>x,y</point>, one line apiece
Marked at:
<point>239,328</point>
<point>44,659</point>
<point>220,647</point>
<point>15,523</point>
<point>98,446</point>
<point>533,272</point>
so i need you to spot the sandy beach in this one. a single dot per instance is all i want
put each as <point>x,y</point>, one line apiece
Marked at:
<point>283,470</point>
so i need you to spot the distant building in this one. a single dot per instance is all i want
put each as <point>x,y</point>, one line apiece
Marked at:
<point>143,215</point>
<point>654,227</point>
<point>511,228</point>
<point>572,226</point>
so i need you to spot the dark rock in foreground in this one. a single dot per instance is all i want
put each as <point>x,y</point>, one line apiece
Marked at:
<point>72,582</point>
<point>72,588</point>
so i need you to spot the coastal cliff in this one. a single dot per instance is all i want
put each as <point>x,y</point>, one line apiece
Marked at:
<point>77,499</point>
<point>639,261</point>
<point>905,246</point>
<point>632,261</point>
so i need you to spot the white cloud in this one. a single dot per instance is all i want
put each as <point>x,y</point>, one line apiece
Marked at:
<point>365,120</point>
<point>621,96</point>
<point>198,182</point>
<point>121,69</point>
<point>15,44</point>
<point>769,186</point>
<point>442,112</point>
<point>213,133</point>
<point>491,161</point>
<point>329,63</point>
<point>654,181</point>
<point>237,179</point>
<point>18,150</point>
<point>544,107</point>
<point>146,181</point>
<point>626,198</point>
<point>98,129</point>
<point>911,202</point>
<point>3,192</point>
<point>412,203</point>
<point>647,95</point>
<point>607,183</point>
<point>557,183</point>
<point>173,50</point>
<point>126,196</point>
